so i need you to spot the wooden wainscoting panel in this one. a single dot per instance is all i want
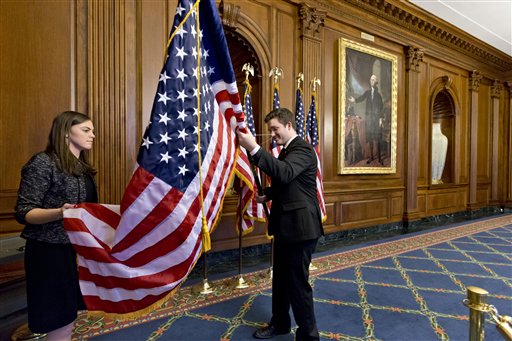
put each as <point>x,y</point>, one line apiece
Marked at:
<point>365,211</point>
<point>446,200</point>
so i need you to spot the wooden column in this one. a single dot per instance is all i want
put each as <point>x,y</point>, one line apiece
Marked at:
<point>312,24</point>
<point>112,96</point>
<point>413,58</point>
<point>508,150</point>
<point>496,90</point>
<point>474,85</point>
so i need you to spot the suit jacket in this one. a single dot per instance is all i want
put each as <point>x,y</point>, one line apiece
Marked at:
<point>295,212</point>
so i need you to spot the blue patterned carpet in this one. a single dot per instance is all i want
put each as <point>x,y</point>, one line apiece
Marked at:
<point>408,288</point>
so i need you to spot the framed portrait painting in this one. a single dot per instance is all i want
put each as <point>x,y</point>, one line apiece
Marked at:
<point>367,109</point>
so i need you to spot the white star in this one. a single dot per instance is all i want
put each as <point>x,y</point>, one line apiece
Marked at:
<point>206,126</point>
<point>183,152</point>
<point>181,74</point>
<point>201,34</point>
<point>163,98</point>
<point>146,142</point>
<point>195,148</point>
<point>182,115</point>
<point>164,118</point>
<point>205,54</point>
<point>181,95</point>
<point>194,53</point>
<point>196,130</point>
<point>195,112</point>
<point>181,31</point>
<point>194,72</point>
<point>164,77</point>
<point>182,134</point>
<point>179,10</point>
<point>165,138</point>
<point>211,70</point>
<point>183,170</point>
<point>181,52</point>
<point>195,92</point>
<point>165,157</point>
<point>193,30</point>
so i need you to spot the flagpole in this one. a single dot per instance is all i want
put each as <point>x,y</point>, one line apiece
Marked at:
<point>239,282</point>
<point>314,83</point>
<point>204,288</point>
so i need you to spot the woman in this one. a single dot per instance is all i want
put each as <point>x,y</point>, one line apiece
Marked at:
<point>52,182</point>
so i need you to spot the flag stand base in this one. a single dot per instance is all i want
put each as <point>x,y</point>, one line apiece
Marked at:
<point>240,283</point>
<point>22,333</point>
<point>203,288</point>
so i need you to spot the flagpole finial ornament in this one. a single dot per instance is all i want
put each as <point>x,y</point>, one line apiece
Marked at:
<point>248,69</point>
<point>277,73</point>
<point>314,83</point>
<point>300,80</point>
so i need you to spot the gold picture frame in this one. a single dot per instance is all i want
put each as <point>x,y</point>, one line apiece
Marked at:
<point>366,118</point>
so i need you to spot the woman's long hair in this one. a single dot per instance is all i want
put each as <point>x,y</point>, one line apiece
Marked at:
<point>58,146</point>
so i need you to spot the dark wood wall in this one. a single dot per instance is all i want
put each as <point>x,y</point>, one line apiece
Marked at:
<point>104,57</point>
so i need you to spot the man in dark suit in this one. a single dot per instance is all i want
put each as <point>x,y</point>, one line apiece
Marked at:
<point>295,222</point>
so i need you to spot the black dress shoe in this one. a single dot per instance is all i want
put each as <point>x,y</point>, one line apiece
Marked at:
<point>269,332</point>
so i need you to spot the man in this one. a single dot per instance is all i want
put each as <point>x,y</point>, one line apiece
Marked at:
<point>373,117</point>
<point>295,222</point>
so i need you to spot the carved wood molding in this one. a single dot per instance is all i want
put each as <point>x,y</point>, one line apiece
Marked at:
<point>414,24</point>
<point>474,80</point>
<point>413,56</point>
<point>311,20</point>
<point>229,14</point>
<point>496,88</point>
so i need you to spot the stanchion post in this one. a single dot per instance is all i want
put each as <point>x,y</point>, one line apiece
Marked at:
<point>477,298</point>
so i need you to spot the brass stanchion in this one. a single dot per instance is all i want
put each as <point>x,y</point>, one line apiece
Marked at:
<point>476,302</point>
<point>203,288</point>
<point>22,333</point>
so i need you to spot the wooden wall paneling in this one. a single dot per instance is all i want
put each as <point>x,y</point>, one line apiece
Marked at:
<point>286,55</point>
<point>311,22</point>
<point>474,89</point>
<point>496,90</point>
<point>508,142</point>
<point>35,79</point>
<point>113,103</point>
<point>414,57</point>
<point>484,134</point>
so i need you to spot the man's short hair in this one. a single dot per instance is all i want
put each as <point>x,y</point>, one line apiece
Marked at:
<point>283,115</point>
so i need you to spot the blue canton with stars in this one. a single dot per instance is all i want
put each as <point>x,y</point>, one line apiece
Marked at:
<point>169,149</point>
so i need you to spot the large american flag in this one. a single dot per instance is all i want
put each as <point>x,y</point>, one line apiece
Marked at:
<point>312,138</point>
<point>250,210</point>
<point>133,257</point>
<point>299,113</point>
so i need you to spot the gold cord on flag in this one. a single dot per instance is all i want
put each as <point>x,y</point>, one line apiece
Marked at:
<point>205,232</point>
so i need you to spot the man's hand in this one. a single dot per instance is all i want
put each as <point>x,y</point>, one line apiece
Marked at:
<point>246,140</point>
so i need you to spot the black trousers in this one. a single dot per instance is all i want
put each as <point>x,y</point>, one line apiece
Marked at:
<point>291,288</point>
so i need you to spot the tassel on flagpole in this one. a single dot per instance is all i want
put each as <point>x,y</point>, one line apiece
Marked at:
<point>205,236</point>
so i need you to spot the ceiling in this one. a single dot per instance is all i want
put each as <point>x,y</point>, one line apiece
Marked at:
<point>487,20</point>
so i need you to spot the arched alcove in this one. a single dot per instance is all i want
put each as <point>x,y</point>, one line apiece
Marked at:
<point>443,122</point>
<point>241,53</point>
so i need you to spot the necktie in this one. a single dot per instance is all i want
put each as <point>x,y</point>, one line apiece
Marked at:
<point>282,154</point>
<point>372,93</point>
